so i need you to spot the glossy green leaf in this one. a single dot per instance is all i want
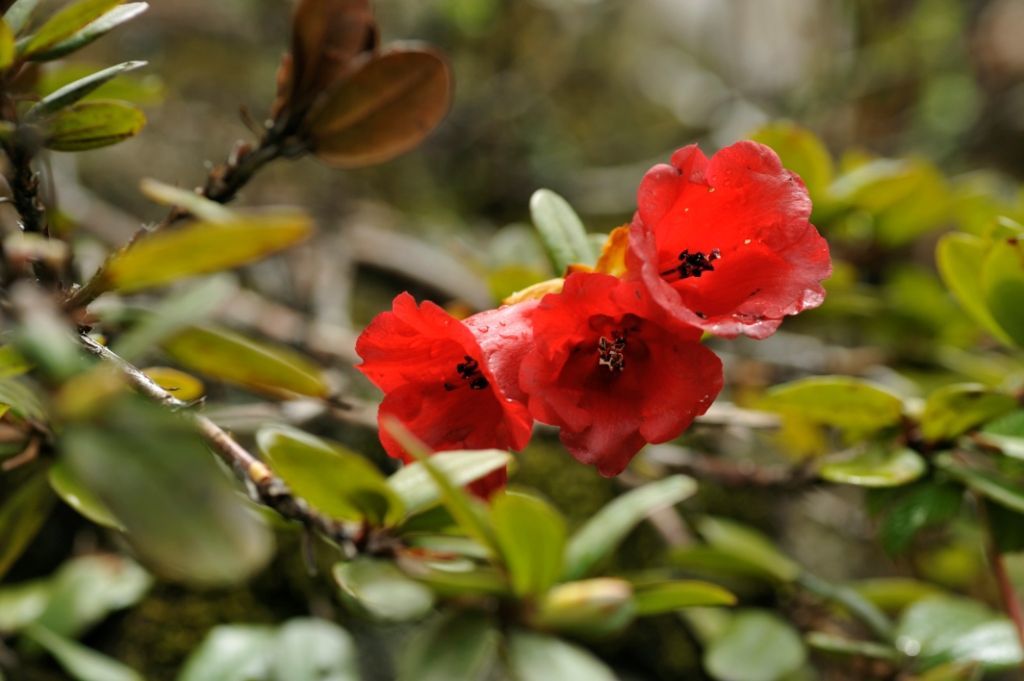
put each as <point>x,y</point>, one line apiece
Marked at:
<point>92,124</point>
<point>467,578</point>
<point>600,535</point>
<point>72,92</point>
<point>893,594</point>
<point>960,258</point>
<point>204,247</point>
<point>954,409</point>
<point>95,29</point>
<point>19,13</point>
<point>924,505</point>
<point>199,206</point>
<point>748,545</point>
<point>79,497</point>
<point>22,398</point>
<point>469,513</point>
<point>179,309</point>
<point>592,608</point>
<point>952,671</point>
<point>87,589</point>
<point>231,652</point>
<point>461,646</point>
<point>800,151</point>
<point>419,492</point>
<point>382,590</point>
<point>6,45</point>
<point>142,461</point>
<point>334,480</point>
<point>878,466</point>
<point>140,88</point>
<point>561,230</point>
<point>987,483</point>
<point>22,603</point>
<point>945,629</point>
<point>1002,280</point>
<point>755,646</point>
<point>531,535</point>
<point>716,563</point>
<point>535,657</point>
<point>1006,433</point>
<point>81,663</point>
<point>308,649</point>
<point>653,599</point>
<point>387,107</point>
<point>66,23</point>
<point>840,401</point>
<point>231,357</point>
<point>22,514</point>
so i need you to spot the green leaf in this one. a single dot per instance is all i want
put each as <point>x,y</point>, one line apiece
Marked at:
<point>531,535</point>
<point>945,629</point>
<point>755,646</point>
<point>893,594</point>
<point>19,13</point>
<point>382,590</point>
<point>1007,528</point>
<point>92,124</point>
<point>81,663</point>
<point>72,92</point>
<point>22,399</point>
<point>383,109</point>
<point>308,649</point>
<point>593,608</point>
<point>417,489</point>
<point>259,366</point>
<point>561,230</point>
<point>6,45</point>
<point>462,646</point>
<point>878,466</point>
<point>748,545</point>
<point>142,462</point>
<point>1002,280</point>
<point>334,480</point>
<point>600,535</point>
<point>79,497</point>
<point>924,505</point>
<point>987,483</point>
<point>657,598</point>
<point>802,152</point>
<point>470,514</point>
<point>87,589</point>
<point>716,563</point>
<point>95,29</point>
<point>231,652</point>
<point>21,604</point>
<point>955,409</point>
<point>66,23</point>
<point>137,89</point>
<point>467,578</point>
<point>1006,433</point>
<point>960,258</point>
<point>840,401</point>
<point>535,657</point>
<point>204,247</point>
<point>196,204</point>
<point>175,311</point>
<point>845,647</point>
<point>22,514</point>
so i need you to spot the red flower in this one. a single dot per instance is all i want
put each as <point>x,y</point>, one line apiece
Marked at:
<point>614,378</point>
<point>437,383</point>
<point>725,244</point>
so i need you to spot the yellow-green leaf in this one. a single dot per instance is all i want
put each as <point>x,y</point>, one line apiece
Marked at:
<point>955,409</point>
<point>231,357</point>
<point>66,23</point>
<point>93,30</point>
<point>876,467</point>
<point>203,247</point>
<point>93,124</point>
<point>6,45</point>
<point>531,535</point>
<point>840,401</point>
<point>961,258</point>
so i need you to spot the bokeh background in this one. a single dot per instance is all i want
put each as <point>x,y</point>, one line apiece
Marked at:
<point>581,96</point>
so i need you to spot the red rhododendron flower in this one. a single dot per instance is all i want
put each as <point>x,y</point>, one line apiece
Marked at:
<point>437,382</point>
<point>726,244</point>
<point>610,375</point>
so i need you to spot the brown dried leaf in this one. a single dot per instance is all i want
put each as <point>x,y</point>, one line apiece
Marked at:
<point>382,110</point>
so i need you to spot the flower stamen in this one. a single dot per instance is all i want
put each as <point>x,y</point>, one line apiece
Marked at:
<point>611,353</point>
<point>470,371</point>
<point>694,264</point>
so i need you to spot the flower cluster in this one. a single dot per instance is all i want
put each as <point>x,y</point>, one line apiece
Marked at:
<point>613,357</point>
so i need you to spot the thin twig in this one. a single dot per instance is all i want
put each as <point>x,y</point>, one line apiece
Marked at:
<point>266,487</point>
<point>1007,592</point>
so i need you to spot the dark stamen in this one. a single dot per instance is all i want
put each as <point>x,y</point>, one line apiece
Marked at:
<point>694,264</point>
<point>611,353</point>
<point>469,371</point>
